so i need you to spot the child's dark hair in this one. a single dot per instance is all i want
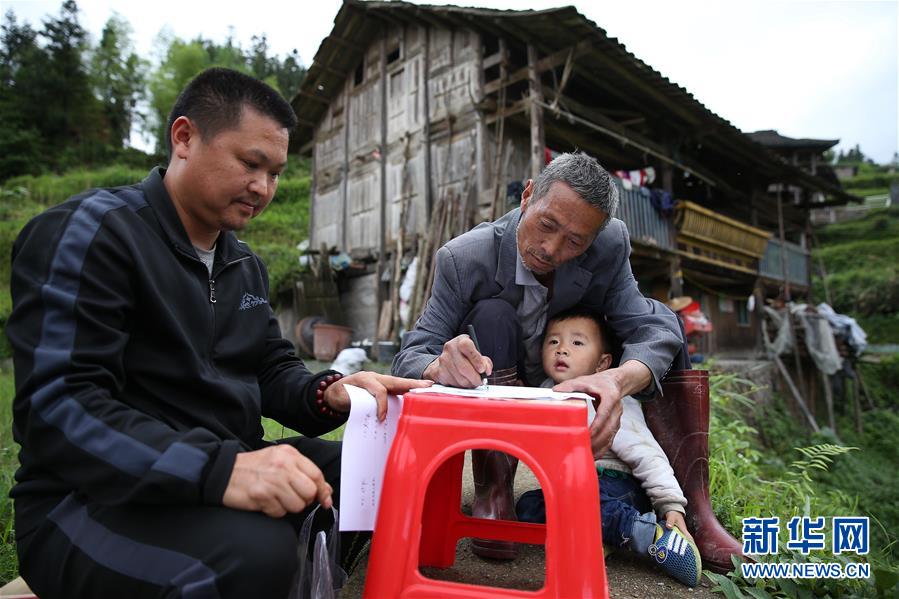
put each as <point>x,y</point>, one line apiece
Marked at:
<point>583,312</point>
<point>215,98</point>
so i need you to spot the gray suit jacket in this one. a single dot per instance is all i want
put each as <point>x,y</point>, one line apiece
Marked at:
<point>481,264</point>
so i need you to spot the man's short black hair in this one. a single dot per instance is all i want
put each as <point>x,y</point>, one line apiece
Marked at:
<point>215,98</point>
<point>582,312</point>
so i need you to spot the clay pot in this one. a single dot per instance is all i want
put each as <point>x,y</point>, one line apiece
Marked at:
<point>306,336</point>
<point>329,339</point>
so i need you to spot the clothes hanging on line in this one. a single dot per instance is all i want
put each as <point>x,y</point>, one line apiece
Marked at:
<point>636,178</point>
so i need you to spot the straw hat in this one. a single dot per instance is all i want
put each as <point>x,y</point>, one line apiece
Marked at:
<point>679,303</point>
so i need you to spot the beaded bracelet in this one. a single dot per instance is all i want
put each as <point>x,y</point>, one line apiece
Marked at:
<point>323,408</point>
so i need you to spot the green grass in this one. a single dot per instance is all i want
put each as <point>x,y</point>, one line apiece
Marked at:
<point>861,254</point>
<point>860,258</point>
<point>882,223</point>
<point>275,431</point>
<point>763,462</point>
<point>49,190</point>
<point>869,180</point>
<point>9,461</point>
<point>864,192</point>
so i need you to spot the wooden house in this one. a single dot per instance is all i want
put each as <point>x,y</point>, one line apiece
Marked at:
<point>422,121</point>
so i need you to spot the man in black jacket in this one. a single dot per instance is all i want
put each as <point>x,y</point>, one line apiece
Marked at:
<point>145,353</point>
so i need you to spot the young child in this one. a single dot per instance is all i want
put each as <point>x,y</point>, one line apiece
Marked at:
<point>575,345</point>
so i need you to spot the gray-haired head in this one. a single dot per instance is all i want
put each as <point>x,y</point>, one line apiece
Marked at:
<point>585,176</point>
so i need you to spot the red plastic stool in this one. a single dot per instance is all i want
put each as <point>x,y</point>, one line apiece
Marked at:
<point>420,522</point>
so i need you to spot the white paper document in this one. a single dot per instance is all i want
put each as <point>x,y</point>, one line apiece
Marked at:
<point>366,443</point>
<point>505,392</point>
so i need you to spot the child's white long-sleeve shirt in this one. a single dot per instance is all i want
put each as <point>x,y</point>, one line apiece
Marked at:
<point>635,451</point>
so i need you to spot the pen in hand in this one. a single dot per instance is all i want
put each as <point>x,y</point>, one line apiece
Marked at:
<point>477,346</point>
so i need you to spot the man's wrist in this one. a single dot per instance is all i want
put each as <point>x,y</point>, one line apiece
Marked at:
<point>323,403</point>
<point>632,377</point>
<point>431,370</point>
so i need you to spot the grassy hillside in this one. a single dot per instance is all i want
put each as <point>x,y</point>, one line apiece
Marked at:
<point>860,258</point>
<point>273,235</point>
<point>870,179</point>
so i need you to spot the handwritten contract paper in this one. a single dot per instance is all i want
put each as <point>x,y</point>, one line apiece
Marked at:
<point>366,443</point>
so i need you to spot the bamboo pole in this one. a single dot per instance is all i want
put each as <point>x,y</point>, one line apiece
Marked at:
<point>795,392</point>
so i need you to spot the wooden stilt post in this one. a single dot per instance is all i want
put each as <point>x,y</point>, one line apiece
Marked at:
<point>787,298</point>
<point>858,373</point>
<point>426,129</point>
<point>828,397</point>
<point>538,143</point>
<point>498,178</point>
<point>345,207</point>
<point>822,270</point>
<point>382,244</point>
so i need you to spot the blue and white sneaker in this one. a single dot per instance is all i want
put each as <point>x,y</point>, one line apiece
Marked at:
<point>677,555</point>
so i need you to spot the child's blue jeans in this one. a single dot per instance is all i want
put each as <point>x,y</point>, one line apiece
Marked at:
<point>627,517</point>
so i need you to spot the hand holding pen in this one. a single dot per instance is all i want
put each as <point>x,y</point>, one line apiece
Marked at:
<point>477,346</point>
<point>460,364</point>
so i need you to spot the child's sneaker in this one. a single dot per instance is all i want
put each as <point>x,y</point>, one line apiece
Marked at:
<point>677,555</point>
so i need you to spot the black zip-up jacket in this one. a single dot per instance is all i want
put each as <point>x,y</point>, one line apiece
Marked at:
<point>139,377</point>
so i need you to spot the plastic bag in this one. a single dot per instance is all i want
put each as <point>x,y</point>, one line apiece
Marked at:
<point>349,360</point>
<point>321,577</point>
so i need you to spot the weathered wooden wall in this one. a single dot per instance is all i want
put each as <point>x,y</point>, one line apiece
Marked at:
<point>346,198</point>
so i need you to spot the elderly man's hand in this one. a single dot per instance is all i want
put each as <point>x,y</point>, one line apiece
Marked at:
<point>605,389</point>
<point>459,365</point>
<point>379,385</point>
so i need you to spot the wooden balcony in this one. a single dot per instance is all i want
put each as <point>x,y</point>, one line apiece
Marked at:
<point>771,264</point>
<point>644,223</point>
<point>707,236</point>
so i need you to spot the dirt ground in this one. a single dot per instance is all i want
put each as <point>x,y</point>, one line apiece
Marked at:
<point>629,575</point>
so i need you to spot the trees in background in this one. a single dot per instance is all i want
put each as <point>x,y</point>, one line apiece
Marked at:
<point>118,77</point>
<point>19,138</point>
<point>66,103</point>
<point>183,60</point>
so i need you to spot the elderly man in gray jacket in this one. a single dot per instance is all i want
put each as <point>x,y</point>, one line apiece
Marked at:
<point>561,248</point>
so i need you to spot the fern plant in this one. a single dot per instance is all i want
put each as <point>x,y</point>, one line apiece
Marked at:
<point>817,457</point>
